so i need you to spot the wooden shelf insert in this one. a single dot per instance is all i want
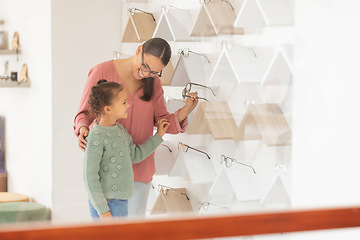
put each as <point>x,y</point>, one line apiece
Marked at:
<point>13,84</point>
<point>264,121</point>
<point>215,118</point>
<point>9,52</point>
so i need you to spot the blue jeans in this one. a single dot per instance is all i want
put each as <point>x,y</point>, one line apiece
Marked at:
<point>118,208</point>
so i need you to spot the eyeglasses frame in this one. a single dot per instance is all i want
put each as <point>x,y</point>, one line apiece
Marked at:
<point>187,148</point>
<point>228,164</point>
<point>148,70</point>
<point>185,91</point>
<point>165,189</point>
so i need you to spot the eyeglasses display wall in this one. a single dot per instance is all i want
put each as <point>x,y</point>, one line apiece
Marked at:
<point>236,152</point>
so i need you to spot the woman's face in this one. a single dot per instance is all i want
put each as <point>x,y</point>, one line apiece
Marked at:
<point>147,65</point>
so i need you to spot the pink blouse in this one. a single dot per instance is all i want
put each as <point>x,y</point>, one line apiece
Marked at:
<point>141,118</point>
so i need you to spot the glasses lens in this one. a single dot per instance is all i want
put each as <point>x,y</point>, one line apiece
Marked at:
<point>188,87</point>
<point>144,68</point>
<point>228,162</point>
<point>222,159</point>
<point>184,92</point>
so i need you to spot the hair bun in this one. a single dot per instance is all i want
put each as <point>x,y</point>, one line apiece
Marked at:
<point>101,81</point>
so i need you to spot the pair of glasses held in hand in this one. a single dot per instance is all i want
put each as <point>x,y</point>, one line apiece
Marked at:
<point>187,89</point>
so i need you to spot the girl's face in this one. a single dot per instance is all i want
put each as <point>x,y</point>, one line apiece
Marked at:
<point>119,105</point>
<point>147,65</point>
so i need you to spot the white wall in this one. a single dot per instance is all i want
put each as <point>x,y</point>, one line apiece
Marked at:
<point>326,109</point>
<point>84,33</point>
<point>27,111</point>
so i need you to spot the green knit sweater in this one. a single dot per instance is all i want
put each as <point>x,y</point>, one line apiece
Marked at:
<point>108,160</point>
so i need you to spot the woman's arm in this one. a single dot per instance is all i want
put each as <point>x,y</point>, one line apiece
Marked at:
<point>178,120</point>
<point>83,119</point>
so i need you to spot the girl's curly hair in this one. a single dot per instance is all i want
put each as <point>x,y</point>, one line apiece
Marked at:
<point>102,95</point>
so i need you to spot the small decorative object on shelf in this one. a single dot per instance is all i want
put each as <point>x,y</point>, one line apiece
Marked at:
<point>2,40</point>
<point>15,44</point>
<point>13,76</point>
<point>23,73</point>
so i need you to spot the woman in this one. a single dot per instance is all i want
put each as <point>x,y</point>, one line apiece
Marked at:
<point>140,77</point>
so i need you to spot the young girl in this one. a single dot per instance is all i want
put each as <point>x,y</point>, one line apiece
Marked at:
<point>110,152</point>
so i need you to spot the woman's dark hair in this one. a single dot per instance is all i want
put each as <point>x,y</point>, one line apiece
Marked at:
<point>160,48</point>
<point>102,95</point>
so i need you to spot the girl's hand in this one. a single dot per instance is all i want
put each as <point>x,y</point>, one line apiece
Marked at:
<point>83,132</point>
<point>162,126</point>
<point>105,216</point>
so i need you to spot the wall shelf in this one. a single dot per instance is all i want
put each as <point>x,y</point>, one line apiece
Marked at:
<point>140,27</point>
<point>164,160</point>
<point>277,193</point>
<point>250,15</point>
<point>189,69</point>
<point>9,52</point>
<point>167,74</point>
<point>13,84</point>
<point>263,13</point>
<point>277,12</point>
<point>173,202</point>
<point>241,182</point>
<point>196,166</point>
<point>173,25</point>
<point>215,18</point>
<point>215,118</point>
<point>264,121</point>
<point>278,72</point>
<point>239,64</point>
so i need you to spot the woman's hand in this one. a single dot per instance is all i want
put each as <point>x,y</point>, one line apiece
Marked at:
<point>190,104</point>
<point>162,126</point>
<point>83,132</point>
<point>191,101</point>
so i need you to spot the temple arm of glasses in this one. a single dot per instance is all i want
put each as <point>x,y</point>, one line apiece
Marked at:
<point>131,10</point>
<point>197,97</point>
<point>200,151</point>
<point>201,55</point>
<point>166,147</point>
<point>203,86</point>
<point>245,165</point>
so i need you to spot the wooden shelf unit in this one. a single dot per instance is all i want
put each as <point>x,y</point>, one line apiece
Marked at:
<point>173,202</point>
<point>215,18</point>
<point>215,118</point>
<point>264,121</point>
<point>9,52</point>
<point>13,84</point>
<point>140,27</point>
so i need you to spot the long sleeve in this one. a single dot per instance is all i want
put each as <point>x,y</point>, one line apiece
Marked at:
<point>161,111</point>
<point>139,152</point>
<point>82,117</point>
<point>93,155</point>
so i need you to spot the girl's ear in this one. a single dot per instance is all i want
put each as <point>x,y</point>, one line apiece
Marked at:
<point>107,109</point>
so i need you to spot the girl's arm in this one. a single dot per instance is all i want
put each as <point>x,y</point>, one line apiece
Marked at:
<point>93,155</point>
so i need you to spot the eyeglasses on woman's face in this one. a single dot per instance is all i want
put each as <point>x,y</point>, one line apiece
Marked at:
<point>145,69</point>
